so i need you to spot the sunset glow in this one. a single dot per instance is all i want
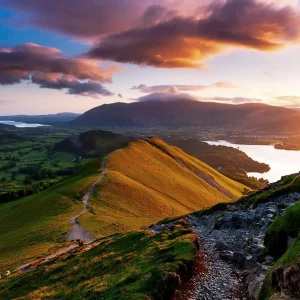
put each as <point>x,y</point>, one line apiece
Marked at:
<point>74,55</point>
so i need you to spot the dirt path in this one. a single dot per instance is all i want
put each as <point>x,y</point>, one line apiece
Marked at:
<point>78,232</point>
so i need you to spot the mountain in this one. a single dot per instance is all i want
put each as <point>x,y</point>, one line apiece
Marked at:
<point>260,117</point>
<point>150,180</point>
<point>42,119</point>
<point>248,249</point>
<point>136,186</point>
<point>296,109</point>
<point>92,143</point>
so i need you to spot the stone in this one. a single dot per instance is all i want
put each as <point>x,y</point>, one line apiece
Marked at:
<point>221,246</point>
<point>226,255</point>
<point>239,259</point>
<point>255,285</point>
<point>286,280</point>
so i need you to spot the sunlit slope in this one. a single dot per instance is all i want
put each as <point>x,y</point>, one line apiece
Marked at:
<point>31,226</point>
<point>151,180</point>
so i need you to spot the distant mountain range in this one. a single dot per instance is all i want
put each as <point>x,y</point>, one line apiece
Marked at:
<point>186,113</point>
<point>42,119</point>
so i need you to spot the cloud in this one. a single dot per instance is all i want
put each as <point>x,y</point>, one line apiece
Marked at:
<point>169,97</point>
<point>168,88</point>
<point>85,19</point>
<point>233,100</point>
<point>90,19</point>
<point>5,102</point>
<point>177,88</point>
<point>288,101</point>
<point>187,41</point>
<point>165,33</point>
<point>225,85</point>
<point>49,68</point>
<point>166,97</point>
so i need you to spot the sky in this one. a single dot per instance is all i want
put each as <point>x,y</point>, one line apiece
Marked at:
<point>72,55</point>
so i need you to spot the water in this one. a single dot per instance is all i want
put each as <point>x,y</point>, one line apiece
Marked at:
<point>21,124</point>
<point>281,162</point>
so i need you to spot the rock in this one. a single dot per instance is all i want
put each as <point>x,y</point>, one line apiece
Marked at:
<point>226,255</point>
<point>255,285</point>
<point>221,246</point>
<point>269,260</point>
<point>286,280</point>
<point>239,259</point>
<point>235,253</point>
<point>249,257</point>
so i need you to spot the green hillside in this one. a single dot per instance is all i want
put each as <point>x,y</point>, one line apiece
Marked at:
<point>149,181</point>
<point>144,183</point>
<point>32,226</point>
<point>128,267</point>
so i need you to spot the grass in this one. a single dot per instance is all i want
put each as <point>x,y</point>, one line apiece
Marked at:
<point>29,227</point>
<point>132,266</point>
<point>276,238</point>
<point>287,225</point>
<point>288,184</point>
<point>32,147</point>
<point>149,181</point>
<point>146,182</point>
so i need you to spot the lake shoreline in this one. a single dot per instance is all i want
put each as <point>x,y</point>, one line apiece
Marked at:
<point>22,124</point>
<point>281,162</point>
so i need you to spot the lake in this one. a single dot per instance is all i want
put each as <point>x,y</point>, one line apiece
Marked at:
<point>281,162</point>
<point>21,124</point>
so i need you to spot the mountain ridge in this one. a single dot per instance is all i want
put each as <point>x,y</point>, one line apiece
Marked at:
<point>186,113</point>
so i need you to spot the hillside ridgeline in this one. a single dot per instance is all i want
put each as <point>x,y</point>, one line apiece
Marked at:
<point>143,183</point>
<point>150,180</point>
<point>187,113</point>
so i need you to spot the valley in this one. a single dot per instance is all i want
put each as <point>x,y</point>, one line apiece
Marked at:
<point>149,150</point>
<point>231,238</point>
<point>124,189</point>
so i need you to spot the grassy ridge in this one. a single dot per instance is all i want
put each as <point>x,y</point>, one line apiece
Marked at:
<point>277,244</point>
<point>132,266</point>
<point>287,225</point>
<point>146,182</point>
<point>149,181</point>
<point>29,227</point>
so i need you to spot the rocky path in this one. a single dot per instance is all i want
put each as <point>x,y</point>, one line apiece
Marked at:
<point>78,232</point>
<point>232,244</point>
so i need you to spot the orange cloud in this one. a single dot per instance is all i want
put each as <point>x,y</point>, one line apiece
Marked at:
<point>187,42</point>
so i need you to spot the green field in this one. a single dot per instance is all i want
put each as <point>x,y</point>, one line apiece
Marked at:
<point>161,181</point>
<point>131,266</point>
<point>32,226</point>
<point>32,148</point>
